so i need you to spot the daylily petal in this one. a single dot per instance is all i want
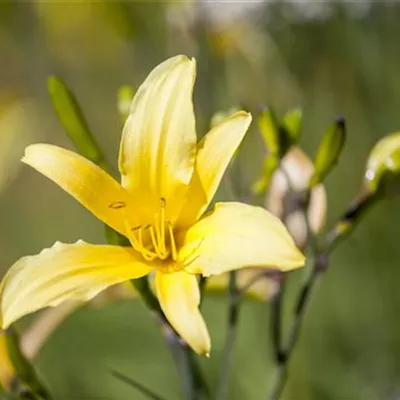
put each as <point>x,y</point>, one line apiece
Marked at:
<point>88,183</point>
<point>76,271</point>
<point>179,296</point>
<point>158,146</point>
<point>213,156</point>
<point>237,235</point>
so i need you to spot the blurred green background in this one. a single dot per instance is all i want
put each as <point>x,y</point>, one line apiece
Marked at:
<point>328,58</point>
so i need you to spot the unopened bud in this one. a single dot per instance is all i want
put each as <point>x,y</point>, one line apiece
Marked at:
<point>383,166</point>
<point>291,123</point>
<point>287,196</point>
<point>254,282</point>
<point>329,150</point>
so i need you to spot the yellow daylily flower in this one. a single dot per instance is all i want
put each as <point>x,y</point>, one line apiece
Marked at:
<point>167,182</point>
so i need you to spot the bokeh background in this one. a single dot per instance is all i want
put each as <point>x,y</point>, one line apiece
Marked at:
<point>330,58</point>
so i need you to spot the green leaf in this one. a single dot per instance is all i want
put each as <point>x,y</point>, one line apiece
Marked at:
<point>383,166</point>
<point>291,124</point>
<point>124,100</point>
<point>329,150</point>
<point>73,121</point>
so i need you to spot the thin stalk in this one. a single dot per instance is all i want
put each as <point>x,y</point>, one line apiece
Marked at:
<point>233,319</point>
<point>276,321</point>
<point>283,355</point>
<point>341,229</point>
<point>23,367</point>
<point>202,287</point>
<point>193,382</point>
<point>138,386</point>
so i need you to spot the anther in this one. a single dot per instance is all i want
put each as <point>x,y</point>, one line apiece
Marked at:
<point>136,243</point>
<point>117,205</point>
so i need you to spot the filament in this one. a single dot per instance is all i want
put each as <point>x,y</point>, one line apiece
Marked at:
<point>172,240</point>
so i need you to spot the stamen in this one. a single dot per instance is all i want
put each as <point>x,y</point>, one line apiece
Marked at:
<point>138,244</point>
<point>161,254</point>
<point>173,244</point>
<point>147,254</point>
<point>117,205</point>
<point>157,232</point>
<point>162,226</point>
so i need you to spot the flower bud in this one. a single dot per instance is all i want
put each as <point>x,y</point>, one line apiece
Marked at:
<point>255,282</point>
<point>291,124</point>
<point>287,196</point>
<point>329,150</point>
<point>383,166</point>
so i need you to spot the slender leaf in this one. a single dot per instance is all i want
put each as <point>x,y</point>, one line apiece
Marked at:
<point>73,121</point>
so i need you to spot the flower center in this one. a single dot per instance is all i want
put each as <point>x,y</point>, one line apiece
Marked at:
<point>154,240</point>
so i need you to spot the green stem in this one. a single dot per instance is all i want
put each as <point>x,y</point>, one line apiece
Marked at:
<point>202,287</point>
<point>193,381</point>
<point>23,367</point>
<point>341,229</point>
<point>276,320</point>
<point>284,354</point>
<point>350,219</point>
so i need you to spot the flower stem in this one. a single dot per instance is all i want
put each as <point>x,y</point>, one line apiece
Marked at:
<point>276,320</point>
<point>283,355</point>
<point>193,381</point>
<point>23,367</point>
<point>233,318</point>
<point>341,229</point>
